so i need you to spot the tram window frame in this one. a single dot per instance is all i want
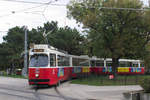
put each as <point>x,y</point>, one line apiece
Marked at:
<point>122,64</point>
<point>99,63</point>
<point>109,63</point>
<point>75,61</point>
<point>83,62</point>
<point>125,64</point>
<point>63,60</point>
<point>135,65</point>
<point>54,60</point>
<point>142,64</point>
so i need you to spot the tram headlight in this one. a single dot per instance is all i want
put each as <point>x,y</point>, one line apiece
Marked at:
<point>36,75</point>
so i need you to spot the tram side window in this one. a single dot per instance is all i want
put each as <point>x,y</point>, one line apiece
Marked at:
<point>75,61</point>
<point>63,61</point>
<point>83,62</point>
<point>99,63</point>
<point>52,59</point>
<point>134,65</point>
<point>122,64</point>
<point>142,64</point>
<point>108,63</point>
<point>125,64</point>
<point>66,62</point>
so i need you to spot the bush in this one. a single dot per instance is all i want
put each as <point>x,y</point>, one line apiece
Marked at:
<point>145,84</point>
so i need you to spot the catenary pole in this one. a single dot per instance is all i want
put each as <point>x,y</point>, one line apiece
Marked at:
<point>25,53</point>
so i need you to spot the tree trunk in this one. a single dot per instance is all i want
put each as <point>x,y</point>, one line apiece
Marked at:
<point>12,69</point>
<point>115,65</point>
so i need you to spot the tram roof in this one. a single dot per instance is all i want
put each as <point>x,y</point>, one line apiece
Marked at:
<point>54,50</point>
<point>51,49</point>
<point>81,56</point>
<point>48,48</point>
<point>120,60</point>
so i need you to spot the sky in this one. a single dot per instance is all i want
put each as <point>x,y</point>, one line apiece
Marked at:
<point>19,14</point>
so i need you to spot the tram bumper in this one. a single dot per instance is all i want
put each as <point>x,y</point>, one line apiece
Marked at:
<point>38,81</point>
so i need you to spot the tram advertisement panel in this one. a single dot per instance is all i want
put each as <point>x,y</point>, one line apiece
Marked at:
<point>85,69</point>
<point>107,69</point>
<point>60,72</point>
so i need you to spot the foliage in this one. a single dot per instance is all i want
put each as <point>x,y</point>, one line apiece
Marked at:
<point>113,33</point>
<point>12,49</point>
<point>145,84</point>
<point>4,56</point>
<point>146,59</point>
<point>67,39</point>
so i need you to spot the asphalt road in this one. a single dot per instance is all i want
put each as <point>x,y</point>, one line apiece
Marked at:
<point>18,89</point>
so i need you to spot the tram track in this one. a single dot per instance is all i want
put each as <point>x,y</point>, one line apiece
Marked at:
<point>23,91</point>
<point>60,95</point>
<point>63,96</point>
<point>37,95</point>
<point>13,90</point>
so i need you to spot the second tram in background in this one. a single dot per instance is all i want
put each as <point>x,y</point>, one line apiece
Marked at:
<point>126,66</point>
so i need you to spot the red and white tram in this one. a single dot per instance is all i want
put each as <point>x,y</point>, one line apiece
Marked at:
<point>50,66</point>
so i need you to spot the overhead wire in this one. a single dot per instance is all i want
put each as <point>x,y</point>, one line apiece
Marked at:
<point>50,3</point>
<point>25,2</point>
<point>46,34</point>
<point>23,10</point>
<point>44,11</point>
<point>36,12</point>
<point>18,11</point>
<point>41,12</point>
<point>34,2</point>
<point>111,8</point>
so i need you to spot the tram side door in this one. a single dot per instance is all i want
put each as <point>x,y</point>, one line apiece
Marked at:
<point>53,68</point>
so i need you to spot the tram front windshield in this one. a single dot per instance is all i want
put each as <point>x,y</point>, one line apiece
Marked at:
<point>38,60</point>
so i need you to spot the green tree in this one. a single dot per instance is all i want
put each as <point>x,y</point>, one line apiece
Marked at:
<point>4,56</point>
<point>36,36</point>
<point>147,31</point>
<point>67,39</point>
<point>14,44</point>
<point>113,33</point>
